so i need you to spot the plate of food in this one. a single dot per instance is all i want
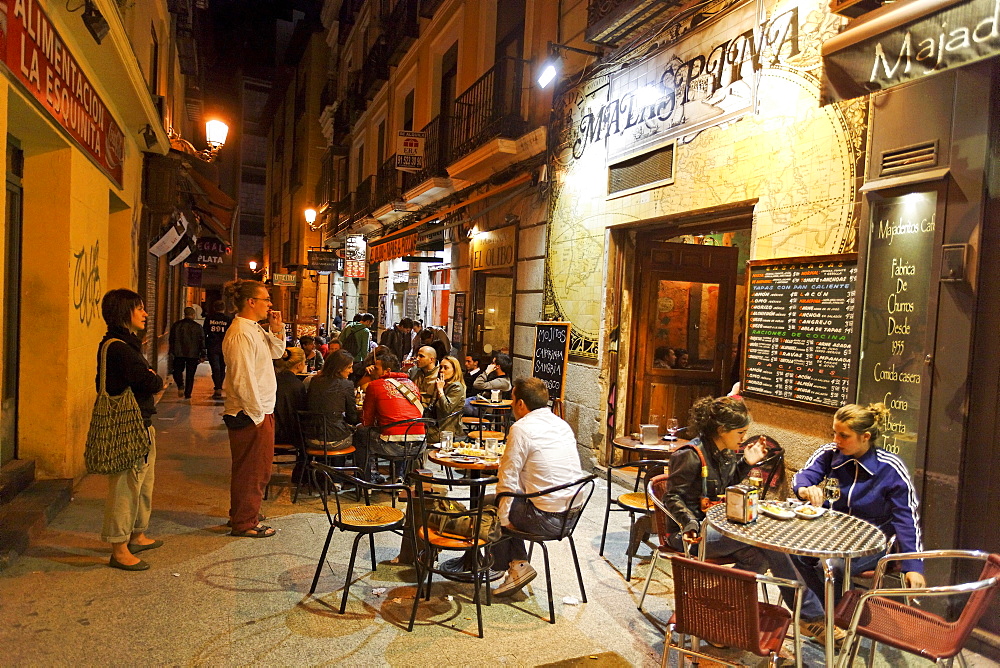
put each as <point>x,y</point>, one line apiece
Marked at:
<point>772,509</point>
<point>471,452</point>
<point>464,460</point>
<point>808,512</point>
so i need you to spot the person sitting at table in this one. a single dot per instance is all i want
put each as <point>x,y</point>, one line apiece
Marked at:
<point>390,397</point>
<point>291,394</point>
<point>664,358</point>
<point>874,485</point>
<point>472,369</point>
<point>314,360</point>
<point>449,397</point>
<point>541,452</point>
<point>700,472</point>
<point>363,372</point>
<point>424,375</point>
<point>683,358</point>
<point>332,394</point>
<point>496,376</point>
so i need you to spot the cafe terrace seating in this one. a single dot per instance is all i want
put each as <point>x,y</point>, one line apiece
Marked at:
<point>583,490</point>
<point>883,616</point>
<point>635,503</point>
<point>719,604</point>
<point>364,520</point>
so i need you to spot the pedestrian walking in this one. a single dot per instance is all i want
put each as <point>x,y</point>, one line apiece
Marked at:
<point>187,345</point>
<point>130,492</point>
<point>251,388</point>
<point>356,337</point>
<point>215,330</point>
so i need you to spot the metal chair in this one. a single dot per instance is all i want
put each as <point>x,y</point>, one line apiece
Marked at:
<point>317,443</point>
<point>430,541</point>
<point>634,503</point>
<point>876,615</point>
<point>582,489</point>
<point>413,444</point>
<point>719,604</point>
<point>364,520</point>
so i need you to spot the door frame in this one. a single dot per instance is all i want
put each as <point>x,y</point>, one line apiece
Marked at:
<point>13,232</point>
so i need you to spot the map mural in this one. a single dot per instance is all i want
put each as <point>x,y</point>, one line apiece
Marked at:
<point>736,89</point>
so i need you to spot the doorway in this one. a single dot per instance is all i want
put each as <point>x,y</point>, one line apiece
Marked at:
<point>11,301</point>
<point>683,318</point>
<point>492,312</point>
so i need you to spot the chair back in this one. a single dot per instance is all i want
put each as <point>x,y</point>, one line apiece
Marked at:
<point>655,490</point>
<point>454,421</point>
<point>717,603</point>
<point>467,491</point>
<point>324,476</point>
<point>579,492</point>
<point>773,464</point>
<point>977,604</point>
<point>413,442</point>
<point>317,429</point>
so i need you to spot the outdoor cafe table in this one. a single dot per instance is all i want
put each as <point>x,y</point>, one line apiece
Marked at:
<point>833,535</point>
<point>498,407</point>
<point>476,468</point>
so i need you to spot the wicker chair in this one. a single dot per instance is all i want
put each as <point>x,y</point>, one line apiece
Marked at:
<point>364,520</point>
<point>876,614</point>
<point>582,489</point>
<point>719,604</point>
<point>635,503</point>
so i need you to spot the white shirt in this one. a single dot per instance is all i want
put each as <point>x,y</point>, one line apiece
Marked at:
<point>250,384</point>
<point>541,453</point>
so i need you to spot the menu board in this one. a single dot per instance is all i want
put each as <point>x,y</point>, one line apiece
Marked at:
<point>551,355</point>
<point>897,309</point>
<point>800,329</point>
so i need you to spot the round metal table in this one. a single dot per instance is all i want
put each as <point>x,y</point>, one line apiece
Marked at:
<point>834,535</point>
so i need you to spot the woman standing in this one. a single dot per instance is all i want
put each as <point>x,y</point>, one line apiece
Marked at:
<point>867,482</point>
<point>332,394</point>
<point>130,493</point>
<point>449,398</point>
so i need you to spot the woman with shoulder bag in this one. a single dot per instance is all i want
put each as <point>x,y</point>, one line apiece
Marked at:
<point>130,491</point>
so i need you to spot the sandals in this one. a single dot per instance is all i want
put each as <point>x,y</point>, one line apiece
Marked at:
<point>260,518</point>
<point>259,531</point>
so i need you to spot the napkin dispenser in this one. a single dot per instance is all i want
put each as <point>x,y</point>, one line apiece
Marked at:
<point>649,434</point>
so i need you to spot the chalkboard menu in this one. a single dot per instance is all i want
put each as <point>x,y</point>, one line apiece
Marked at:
<point>551,355</point>
<point>897,309</point>
<point>800,329</point>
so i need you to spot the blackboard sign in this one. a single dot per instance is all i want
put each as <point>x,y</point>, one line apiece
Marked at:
<point>896,315</point>
<point>551,355</point>
<point>800,329</point>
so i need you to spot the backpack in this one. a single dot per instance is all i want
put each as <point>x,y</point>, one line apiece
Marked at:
<point>349,340</point>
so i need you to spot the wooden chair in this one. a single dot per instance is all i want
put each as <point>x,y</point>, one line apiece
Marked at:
<point>635,503</point>
<point>317,443</point>
<point>364,520</point>
<point>582,489</point>
<point>719,604</point>
<point>431,541</point>
<point>878,616</point>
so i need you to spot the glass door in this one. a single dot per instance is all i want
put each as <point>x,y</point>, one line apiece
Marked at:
<point>11,302</point>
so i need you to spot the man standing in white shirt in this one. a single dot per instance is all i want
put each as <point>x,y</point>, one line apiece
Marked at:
<point>251,388</point>
<point>541,453</point>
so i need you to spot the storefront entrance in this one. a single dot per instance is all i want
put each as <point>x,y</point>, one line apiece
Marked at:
<point>684,311</point>
<point>492,312</point>
<point>11,302</point>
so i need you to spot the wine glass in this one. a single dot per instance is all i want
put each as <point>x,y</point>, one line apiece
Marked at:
<point>673,426</point>
<point>831,489</point>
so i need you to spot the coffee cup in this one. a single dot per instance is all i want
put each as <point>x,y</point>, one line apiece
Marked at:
<point>494,396</point>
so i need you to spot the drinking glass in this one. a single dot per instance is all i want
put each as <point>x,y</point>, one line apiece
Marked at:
<point>756,478</point>
<point>673,426</point>
<point>494,396</point>
<point>491,448</point>
<point>447,441</point>
<point>831,489</point>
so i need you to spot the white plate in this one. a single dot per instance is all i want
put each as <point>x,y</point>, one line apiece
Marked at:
<point>442,453</point>
<point>465,460</point>
<point>806,516</point>
<point>776,512</point>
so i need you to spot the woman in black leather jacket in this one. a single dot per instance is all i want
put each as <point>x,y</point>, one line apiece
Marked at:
<point>721,425</point>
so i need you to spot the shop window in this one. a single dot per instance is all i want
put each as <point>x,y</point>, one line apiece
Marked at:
<point>440,297</point>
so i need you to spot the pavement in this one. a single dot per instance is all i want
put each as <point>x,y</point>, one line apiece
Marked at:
<point>216,600</point>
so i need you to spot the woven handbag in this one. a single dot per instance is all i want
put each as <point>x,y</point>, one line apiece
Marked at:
<point>117,439</point>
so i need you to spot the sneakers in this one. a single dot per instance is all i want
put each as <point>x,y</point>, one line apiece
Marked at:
<point>817,631</point>
<point>217,394</point>
<point>520,574</point>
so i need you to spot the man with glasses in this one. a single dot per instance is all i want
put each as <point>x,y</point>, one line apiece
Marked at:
<point>251,388</point>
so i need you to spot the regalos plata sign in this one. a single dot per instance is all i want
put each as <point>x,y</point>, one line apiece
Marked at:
<point>36,55</point>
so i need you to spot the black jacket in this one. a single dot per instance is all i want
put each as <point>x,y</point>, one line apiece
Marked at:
<point>684,491</point>
<point>398,341</point>
<point>334,397</point>
<point>291,397</point>
<point>215,330</point>
<point>128,368</point>
<point>187,339</point>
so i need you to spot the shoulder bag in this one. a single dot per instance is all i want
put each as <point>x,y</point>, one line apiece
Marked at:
<point>117,439</point>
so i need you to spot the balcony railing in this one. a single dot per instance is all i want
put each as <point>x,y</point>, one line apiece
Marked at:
<point>388,184</point>
<point>329,95</point>
<point>375,70</point>
<point>436,153</point>
<point>401,26</point>
<point>489,108</point>
<point>363,199</point>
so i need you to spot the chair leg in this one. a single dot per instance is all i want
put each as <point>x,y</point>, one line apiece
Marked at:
<point>350,573</point>
<point>649,578</point>
<point>579,573</point>
<point>371,545</point>
<point>322,559</point>
<point>604,531</point>
<point>871,652</point>
<point>548,584</point>
<point>416,594</point>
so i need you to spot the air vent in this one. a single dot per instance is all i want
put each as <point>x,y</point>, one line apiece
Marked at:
<point>649,168</point>
<point>909,159</point>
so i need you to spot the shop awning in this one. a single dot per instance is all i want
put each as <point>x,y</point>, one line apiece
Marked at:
<point>217,210</point>
<point>908,40</point>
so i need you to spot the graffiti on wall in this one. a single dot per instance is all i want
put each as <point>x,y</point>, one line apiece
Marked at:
<point>87,283</point>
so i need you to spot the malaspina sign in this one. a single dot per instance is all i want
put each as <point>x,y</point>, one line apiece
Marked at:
<point>961,34</point>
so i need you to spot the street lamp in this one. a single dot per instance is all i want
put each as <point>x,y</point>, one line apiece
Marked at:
<point>310,215</point>
<point>253,267</point>
<point>550,68</point>
<point>215,136</point>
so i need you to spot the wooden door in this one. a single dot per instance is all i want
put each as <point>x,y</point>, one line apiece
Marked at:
<point>684,300</point>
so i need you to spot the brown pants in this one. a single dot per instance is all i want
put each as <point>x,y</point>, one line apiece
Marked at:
<point>253,456</point>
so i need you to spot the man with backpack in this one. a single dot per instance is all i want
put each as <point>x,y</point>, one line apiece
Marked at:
<point>356,337</point>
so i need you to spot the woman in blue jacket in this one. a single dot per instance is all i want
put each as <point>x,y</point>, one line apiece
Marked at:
<point>874,485</point>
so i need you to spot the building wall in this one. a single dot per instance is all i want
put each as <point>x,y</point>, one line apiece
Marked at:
<point>800,161</point>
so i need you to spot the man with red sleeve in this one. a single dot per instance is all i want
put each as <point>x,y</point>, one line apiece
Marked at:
<point>390,398</point>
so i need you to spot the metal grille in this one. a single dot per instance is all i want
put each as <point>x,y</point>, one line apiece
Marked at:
<point>648,168</point>
<point>909,158</point>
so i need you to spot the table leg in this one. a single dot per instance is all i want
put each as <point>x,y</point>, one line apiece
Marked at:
<point>847,576</point>
<point>829,597</point>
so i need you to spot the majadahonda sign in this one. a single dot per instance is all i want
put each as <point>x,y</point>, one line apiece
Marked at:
<point>37,57</point>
